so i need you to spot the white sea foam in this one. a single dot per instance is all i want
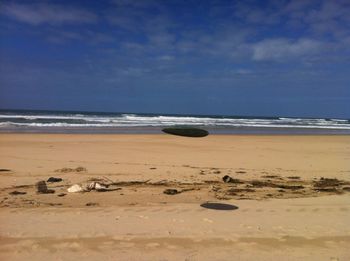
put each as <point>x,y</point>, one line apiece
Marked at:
<point>134,120</point>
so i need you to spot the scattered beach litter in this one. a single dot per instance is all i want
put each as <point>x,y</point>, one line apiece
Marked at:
<point>41,188</point>
<point>67,170</point>
<point>14,193</point>
<point>99,187</point>
<point>53,179</point>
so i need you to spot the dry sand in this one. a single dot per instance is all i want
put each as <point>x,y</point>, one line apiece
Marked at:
<point>289,197</point>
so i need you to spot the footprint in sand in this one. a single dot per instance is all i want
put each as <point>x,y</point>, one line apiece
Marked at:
<point>153,244</point>
<point>171,210</point>
<point>171,247</point>
<point>140,210</point>
<point>178,220</point>
<point>207,220</point>
<point>126,244</point>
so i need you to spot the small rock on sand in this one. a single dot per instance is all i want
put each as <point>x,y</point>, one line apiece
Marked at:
<point>41,188</point>
<point>53,179</point>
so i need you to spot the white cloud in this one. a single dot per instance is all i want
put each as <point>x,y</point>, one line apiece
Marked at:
<point>284,49</point>
<point>36,14</point>
<point>166,58</point>
<point>242,71</point>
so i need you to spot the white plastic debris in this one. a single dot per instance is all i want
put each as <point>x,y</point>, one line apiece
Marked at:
<point>75,188</point>
<point>87,187</point>
<point>96,186</point>
<point>99,186</point>
<point>90,186</point>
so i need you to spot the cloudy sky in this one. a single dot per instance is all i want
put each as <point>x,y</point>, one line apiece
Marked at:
<point>267,58</point>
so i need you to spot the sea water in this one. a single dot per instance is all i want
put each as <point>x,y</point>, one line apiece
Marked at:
<point>106,122</point>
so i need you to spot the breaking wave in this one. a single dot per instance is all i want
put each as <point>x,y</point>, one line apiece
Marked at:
<point>17,119</point>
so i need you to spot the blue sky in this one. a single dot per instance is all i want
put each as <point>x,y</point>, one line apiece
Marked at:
<point>267,58</point>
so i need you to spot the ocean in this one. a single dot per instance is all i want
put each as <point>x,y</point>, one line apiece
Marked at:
<point>105,122</point>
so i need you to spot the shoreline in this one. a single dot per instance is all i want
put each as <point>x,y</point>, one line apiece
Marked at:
<point>158,130</point>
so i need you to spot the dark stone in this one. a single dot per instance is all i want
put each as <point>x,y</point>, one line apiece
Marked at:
<point>41,188</point>
<point>171,191</point>
<point>61,195</point>
<point>53,179</point>
<point>17,193</point>
<point>3,170</point>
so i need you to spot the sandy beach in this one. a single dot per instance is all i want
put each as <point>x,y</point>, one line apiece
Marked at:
<point>284,197</point>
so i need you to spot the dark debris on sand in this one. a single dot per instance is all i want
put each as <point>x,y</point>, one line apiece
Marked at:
<point>14,193</point>
<point>228,179</point>
<point>53,179</point>
<point>41,188</point>
<point>67,170</point>
<point>327,182</point>
<point>171,191</point>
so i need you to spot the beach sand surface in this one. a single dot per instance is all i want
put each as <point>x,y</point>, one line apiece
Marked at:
<point>288,197</point>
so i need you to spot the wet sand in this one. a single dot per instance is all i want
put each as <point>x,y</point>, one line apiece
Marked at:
<point>283,197</point>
